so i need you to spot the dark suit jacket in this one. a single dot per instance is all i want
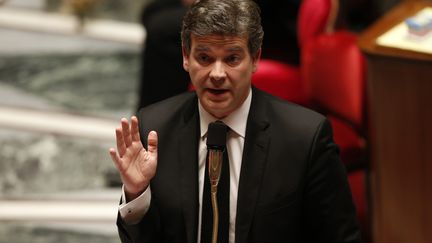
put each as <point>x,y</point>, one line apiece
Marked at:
<point>293,187</point>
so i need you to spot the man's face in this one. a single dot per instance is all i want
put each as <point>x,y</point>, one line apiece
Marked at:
<point>220,69</point>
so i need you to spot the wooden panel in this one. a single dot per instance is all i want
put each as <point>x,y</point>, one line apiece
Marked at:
<point>426,148</point>
<point>401,106</point>
<point>400,95</point>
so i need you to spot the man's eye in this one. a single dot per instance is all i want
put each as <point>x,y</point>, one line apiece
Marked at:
<point>203,58</point>
<point>234,59</point>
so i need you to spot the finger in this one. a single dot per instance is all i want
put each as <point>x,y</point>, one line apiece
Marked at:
<point>135,129</point>
<point>121,146</point>
<point>152,142</point>
<point>116,159</point>
<point>126,132</point>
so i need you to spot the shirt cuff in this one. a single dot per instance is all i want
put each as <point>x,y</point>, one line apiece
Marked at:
<point>133,211</point>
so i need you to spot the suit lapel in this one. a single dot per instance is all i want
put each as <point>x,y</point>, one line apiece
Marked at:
<point>253,164</point>
<point>188,145</point>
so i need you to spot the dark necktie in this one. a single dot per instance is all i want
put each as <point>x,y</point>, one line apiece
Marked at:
<point>223,194</point>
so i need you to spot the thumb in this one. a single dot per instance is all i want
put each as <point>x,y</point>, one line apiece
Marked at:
<point>152,142</point>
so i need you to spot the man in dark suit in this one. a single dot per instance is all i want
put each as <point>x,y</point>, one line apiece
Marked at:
<point>286,182</point>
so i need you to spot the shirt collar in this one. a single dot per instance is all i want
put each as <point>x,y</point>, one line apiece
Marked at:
<point>236,121</point>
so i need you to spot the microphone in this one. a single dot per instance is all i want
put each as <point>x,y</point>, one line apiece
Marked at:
<point>216,145</point>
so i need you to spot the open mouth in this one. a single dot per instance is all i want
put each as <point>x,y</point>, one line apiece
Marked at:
<point>217,91</point>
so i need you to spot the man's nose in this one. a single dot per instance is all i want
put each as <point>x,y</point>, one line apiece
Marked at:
<point>218,73</point>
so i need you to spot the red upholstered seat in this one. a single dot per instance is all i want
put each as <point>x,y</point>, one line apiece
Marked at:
<point>357,182</point>
<point>333,71</point>
<point>280,79</point>
<point>315,17</point>
<point>352,146</point>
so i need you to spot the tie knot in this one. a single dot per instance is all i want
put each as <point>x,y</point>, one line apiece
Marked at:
<point>216,135</point>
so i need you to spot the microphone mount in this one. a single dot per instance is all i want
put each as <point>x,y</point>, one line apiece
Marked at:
<point>216,145</point>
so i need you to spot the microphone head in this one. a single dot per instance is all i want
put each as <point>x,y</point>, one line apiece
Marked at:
<point>216,135</point>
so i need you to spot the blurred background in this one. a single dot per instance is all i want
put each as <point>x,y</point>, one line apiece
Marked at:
<point>70,69</point>
<point>68,72</point>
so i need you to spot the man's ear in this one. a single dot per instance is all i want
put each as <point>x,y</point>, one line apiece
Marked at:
<point>255,60</point>
<point>185,59</point>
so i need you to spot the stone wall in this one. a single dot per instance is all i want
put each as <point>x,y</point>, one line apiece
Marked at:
<point>88,78</point>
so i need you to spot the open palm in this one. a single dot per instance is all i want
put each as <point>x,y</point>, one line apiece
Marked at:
<point>137,166</point>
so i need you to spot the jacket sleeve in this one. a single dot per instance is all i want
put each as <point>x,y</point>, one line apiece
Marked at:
<point>329,209</point>
<point>146,230</point>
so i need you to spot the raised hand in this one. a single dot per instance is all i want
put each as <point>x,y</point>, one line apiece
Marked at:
<point>137,166</point>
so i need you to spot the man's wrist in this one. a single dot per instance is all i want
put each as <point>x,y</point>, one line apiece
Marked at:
<point>132,212</point>
<point>131,195</point>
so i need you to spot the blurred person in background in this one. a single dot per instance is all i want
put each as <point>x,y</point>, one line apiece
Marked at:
<point>279,20</point>
<point>162,75</point>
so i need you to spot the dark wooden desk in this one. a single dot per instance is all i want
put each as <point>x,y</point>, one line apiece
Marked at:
<point>400,95</point>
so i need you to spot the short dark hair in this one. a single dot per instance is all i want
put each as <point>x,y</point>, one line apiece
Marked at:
<point>236,18</point>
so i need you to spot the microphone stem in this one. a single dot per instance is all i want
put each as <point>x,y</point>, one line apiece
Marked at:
<point>214,170</point>
<point>215,217</point>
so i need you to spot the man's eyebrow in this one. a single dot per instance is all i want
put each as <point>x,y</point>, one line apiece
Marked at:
<point>202,48</point>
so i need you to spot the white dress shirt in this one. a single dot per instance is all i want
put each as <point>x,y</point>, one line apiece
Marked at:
<point>133,211</point>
